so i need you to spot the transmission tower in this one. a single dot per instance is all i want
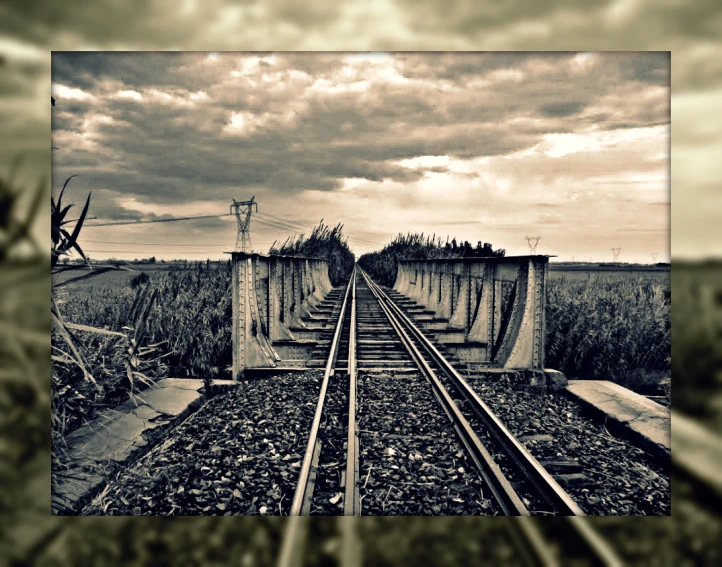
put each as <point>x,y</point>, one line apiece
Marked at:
<point>532,241</point>
<point>654,257</point>
<point>616,252</point>
<point>243,210</point>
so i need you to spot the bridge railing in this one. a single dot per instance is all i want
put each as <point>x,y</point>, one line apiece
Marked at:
<point>271,296</point>
<point>490,310</point>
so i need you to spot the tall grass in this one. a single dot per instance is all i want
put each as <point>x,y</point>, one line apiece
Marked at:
<point>24,353</point>
<point>186,329</point>
<point>602,328</point>
<point>608,328</point>
<point>326,243</point>
<point>191,315</point>
<point>382,265</point>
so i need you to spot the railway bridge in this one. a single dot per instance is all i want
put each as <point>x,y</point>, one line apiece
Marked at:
<point>487,314</point>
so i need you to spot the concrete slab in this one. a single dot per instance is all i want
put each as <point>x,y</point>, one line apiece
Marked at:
<point>639,419</point>
<point>122,434</point>
<point>698,451</point>
<point>117,434</point>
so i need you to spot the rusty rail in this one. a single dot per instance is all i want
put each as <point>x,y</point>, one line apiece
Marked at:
<point>307,478</point>
<point>544,483</point>
<point>352,504</point>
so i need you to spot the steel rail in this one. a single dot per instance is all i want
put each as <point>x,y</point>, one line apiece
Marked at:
<point>293,544</point>
<point>530,543</point>
<point>577,535</point>
<point>306,481</point>
<point>503,492</point>
<point>545,484</point>
<point>598,548</point>
<point>352,503</point>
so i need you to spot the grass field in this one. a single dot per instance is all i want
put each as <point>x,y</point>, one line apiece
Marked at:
<point>120,277</point>
<point>608,324</point>
<point>660,274</point>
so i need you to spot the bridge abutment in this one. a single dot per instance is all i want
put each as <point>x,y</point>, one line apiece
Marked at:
<point>488,312</point>
<point>276,323</point>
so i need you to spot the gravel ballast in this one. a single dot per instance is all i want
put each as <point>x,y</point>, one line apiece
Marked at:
<point>626,481</point>
<point>410,460</point>
<point>333,433</point>
<point>239,454</point>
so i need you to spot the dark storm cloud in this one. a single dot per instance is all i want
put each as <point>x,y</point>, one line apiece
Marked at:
<point>104,202</point>
<point>85,70</point>
<point>457,66</point>
<point>102,20</point>
<point>137,115</point>
<point>465,17</point>
<point>394,24</point>
<point>651,68</point>
<point>561,109</point>
<point>346,134</point>
<point>309,15</point>
<point>18,78</point>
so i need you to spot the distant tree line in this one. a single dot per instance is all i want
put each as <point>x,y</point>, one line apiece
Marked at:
<point>382,265</point>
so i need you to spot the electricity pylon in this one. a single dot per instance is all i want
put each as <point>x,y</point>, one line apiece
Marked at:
<point>243,210</point>
<point>532,241</point>
<point>654,257</point>
<point>616,252</point>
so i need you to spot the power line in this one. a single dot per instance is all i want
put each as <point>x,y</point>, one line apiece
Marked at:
<point>279,220</point>
<point>296,230</point>
<point>134,243</point>
<point>127,223</point>
<point>214,252</point>
<point>297,225</point>
<point>279,226</point>
<point>137,243</point>
<point>173,219</point>
<point>272,221</point>
<point>129,251</point>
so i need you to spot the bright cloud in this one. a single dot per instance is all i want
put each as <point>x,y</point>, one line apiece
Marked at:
<point>477,146</point>
<point>70,93</point>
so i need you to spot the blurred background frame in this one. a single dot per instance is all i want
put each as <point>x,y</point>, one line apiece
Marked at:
<point>30,536</point>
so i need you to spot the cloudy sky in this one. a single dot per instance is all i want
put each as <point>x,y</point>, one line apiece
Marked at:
<point>476,153</point>
<point>572,147</point>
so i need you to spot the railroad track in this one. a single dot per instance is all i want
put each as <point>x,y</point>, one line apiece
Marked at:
<point>394,399</point>
<point>397,430</point>
<point>534,543</point>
